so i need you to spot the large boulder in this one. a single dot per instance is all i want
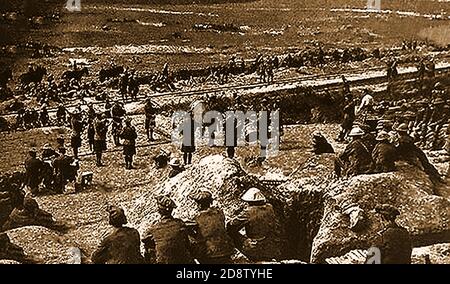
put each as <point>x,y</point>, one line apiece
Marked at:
<point>426,216</point>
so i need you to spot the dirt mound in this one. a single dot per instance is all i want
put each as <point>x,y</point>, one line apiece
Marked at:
<point>44,245</point>
<point>222,176</point>
<point>426,216</point>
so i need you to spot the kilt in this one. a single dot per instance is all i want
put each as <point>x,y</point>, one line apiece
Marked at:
<point>129,150</point>
<point>99,145</point>
<point>75,141</point>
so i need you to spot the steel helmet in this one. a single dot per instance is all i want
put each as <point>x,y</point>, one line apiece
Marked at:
<point>253,195</point>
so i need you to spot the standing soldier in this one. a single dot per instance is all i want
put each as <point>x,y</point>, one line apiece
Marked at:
<point>100,131</point>
<point>117,113</point>
<point>91,134</point>
<point>77,129</point>
<point>213,245</point>
<point>122,246</point>
<point>150,119</point>
<point>167,241</point>
<point>261,239</point>
<point>61,114</point>
<point>349,117</point>
<point>61,165</point>
<point>395,244</point>
<point>129,135</point>
<point>188,144</point>
<point>43,116</point>
<point>123,85</point>
<point>33,169</point>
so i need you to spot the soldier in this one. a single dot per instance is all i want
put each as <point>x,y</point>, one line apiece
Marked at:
<point>129,135</point>
<point>356,158</point>
<point>123,85</point>
<point>176,167</point>
<point>31,215</point>
<point>261,240</point>
<point>410,153</point>
<point>61,114</point>
<point>384,154</point>
<point>320,144</point>
<point>167,241</point>
<point>188,143</point>
<point>77,129</point>
<point>150,119</point>
<point>349,117</point>
<point>213,245</point>
<point>395,244</point>
<point>11,251</point>
<point>61,165</point>
<point>162,159</point>
<point>43,116</point>
<point>60,141</point>
<point>122,246</point>
<point>100,129</point>
<point>91,113</point>
<point>231,135</point>
<point>33,171</point>
<point>117,113</point>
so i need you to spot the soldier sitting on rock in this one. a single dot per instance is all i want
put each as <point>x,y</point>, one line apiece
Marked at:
<point>261,239</point>
<point>122,245</point>
<point>167,241</point>
<point>395,243</point>
<point>320,144</point>
<point>10,251</point>
<point>212,243</point>
<point>356,158</point>
<point>384,154</point>
<point>29,214</point>
<point>410,153</point>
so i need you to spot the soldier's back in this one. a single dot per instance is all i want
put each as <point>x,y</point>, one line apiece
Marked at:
<point>123,247</point>
<point>396,246</point>
<point>211,227</point>
<point>172,243</point>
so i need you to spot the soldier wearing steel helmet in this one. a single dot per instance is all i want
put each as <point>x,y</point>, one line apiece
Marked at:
<point>212,243</point>
<point>261,240</point>
<point>167,242</point>
<point>122,245</point>
<point>395,243</point>
<point>384,154</point>
<point>356,158</point>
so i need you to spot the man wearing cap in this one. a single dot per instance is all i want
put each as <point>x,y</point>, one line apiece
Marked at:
<point>150,119</point>
<point>167,242</point>
<point>261,239</point>
<point>384,154</point>
<point>320,144</point>
<point>122,245</point>
<point>212,243</point>
<point>61,113</point>
<point>395,243</point>
<point>176,167</point>
<point>407,151</point>
<point>129,135</point>
<point>33,171</point>
<point>77,129</point>
<point>356,158</point>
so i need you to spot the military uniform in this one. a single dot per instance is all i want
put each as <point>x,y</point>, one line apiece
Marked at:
<point>150,119</point>
<point>11,251</point>
<point>384,156</point>
<point>129,135</point>
<point>321,145</point>
<point>261,241</point>
<point>213,245</point>
<point>356,159</point>
<point>395,246</point>
<point>167,242</point>
<point>33,167</point>
<point>122,246</point>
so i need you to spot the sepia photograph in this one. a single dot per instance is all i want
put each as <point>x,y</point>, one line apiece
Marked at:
<point>233,133</point>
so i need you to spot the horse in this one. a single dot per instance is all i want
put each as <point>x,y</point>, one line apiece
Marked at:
<point>5,76</point>
<point>75,74</point>
<point>112,72</point>
<point>34,76</point>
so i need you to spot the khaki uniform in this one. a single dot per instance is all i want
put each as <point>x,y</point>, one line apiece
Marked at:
<point>395,246</point>
<point>167,242</point>
<point>384,156</point>
<point>356,159</point>
<point>122,246</point>
<point>261,241</point>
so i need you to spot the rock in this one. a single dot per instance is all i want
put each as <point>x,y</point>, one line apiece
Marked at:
<point>426,216</point>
